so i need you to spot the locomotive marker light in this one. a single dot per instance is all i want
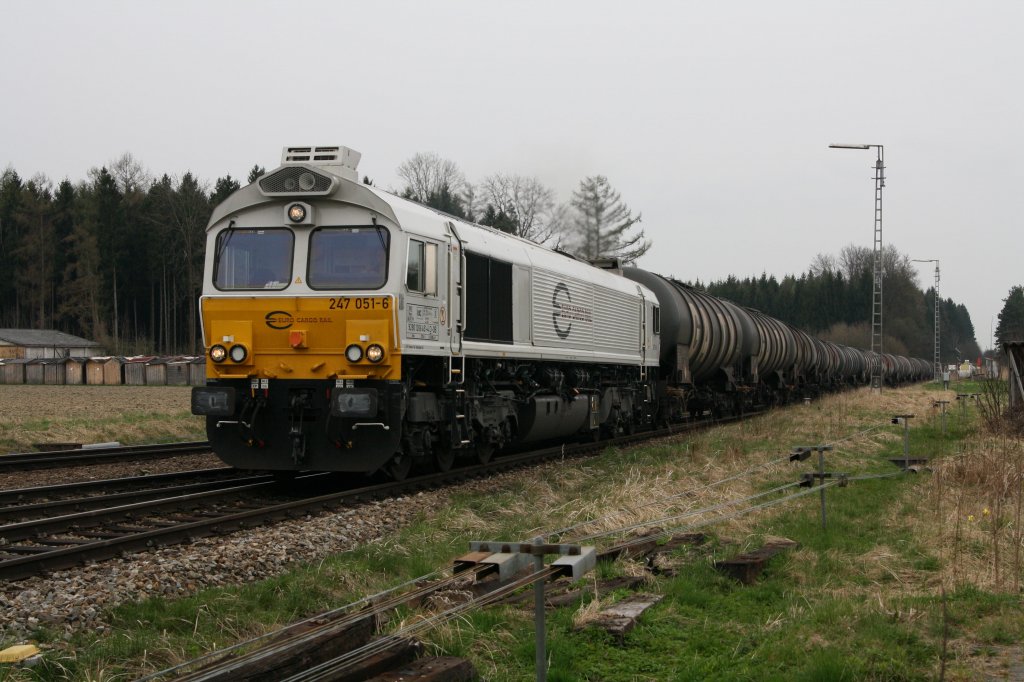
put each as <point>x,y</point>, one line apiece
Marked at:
<point>218,353</point>
<point>877,370</point>
<point>238,353</point>
<point>307,181</point>
<point>375,353</point>
<point>353,353</point>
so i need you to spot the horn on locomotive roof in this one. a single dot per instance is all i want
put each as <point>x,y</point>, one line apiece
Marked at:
<point>340,161</point>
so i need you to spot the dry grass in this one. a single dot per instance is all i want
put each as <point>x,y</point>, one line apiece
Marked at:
<point>583,501</point>
<point>977,497</point>
<point>95,414</point>
<point>588,612</point>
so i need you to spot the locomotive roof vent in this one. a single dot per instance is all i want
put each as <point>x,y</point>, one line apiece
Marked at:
<point>341,161</point>
<point>607,263</point>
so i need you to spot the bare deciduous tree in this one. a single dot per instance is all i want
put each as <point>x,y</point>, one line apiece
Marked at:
<point>525,201</point>
<point>130,175</point>
<point>822,263</point>
<point>855,260</point>
<point>426,174</point>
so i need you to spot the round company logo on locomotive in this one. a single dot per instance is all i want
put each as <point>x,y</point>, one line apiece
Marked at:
<point>279,319</point>
<point>565,311</point>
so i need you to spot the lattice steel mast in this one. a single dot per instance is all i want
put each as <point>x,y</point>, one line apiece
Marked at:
<point>937,362</point>
<point>877,367</point>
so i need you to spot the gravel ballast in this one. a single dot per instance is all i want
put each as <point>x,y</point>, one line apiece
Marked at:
<point>79,598</point>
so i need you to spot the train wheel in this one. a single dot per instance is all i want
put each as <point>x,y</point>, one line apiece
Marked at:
<point>444,458</point>
<point>399,466</point>
<point>484,452</point>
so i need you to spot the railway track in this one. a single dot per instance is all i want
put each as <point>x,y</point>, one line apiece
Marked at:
<point>24,504</point>
<point>26,461</point>
<point>42,545</point>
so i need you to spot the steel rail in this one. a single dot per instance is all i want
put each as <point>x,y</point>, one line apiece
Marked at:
<point>24,461</point>
<point>18,494</point>
<point>103,501</point>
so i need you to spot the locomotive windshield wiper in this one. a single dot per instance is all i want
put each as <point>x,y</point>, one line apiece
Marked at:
<point>221,245</point>
<point>380,234</point>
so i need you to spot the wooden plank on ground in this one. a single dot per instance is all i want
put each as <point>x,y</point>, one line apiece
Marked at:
<point>315,642</point>
<point>621,617</point>
<point>440,669</point>
<point>398,653</point>
<point>748,566</point>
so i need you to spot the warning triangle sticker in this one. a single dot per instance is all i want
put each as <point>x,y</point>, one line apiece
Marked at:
<point>298,280</point>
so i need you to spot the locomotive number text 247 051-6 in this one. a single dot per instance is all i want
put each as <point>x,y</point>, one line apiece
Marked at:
<point>363,303</point>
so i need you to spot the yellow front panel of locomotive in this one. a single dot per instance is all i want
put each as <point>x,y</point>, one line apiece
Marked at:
<point>302,338</point>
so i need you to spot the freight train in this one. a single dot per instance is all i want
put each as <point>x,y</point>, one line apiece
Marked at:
<point>348,329</point>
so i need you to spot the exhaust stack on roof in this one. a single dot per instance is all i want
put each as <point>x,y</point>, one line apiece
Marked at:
<point>340,161</point>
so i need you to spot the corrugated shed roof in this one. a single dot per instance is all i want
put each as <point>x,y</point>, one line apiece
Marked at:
<point>44,337</point>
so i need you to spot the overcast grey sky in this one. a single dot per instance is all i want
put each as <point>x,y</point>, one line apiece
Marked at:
<point>712,119</point>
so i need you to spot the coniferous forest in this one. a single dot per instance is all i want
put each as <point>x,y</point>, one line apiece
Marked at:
<point>118,258</point>
<point>832,300</point>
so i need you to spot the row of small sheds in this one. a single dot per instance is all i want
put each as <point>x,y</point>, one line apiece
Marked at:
<point>107,371</point>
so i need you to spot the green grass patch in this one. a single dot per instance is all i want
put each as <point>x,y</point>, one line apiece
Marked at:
<point>858,599</point>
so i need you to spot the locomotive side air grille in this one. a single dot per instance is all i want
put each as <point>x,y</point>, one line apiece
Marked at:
<point>295,180</point>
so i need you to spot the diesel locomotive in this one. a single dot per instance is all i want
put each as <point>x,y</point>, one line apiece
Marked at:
<point>348,329</point>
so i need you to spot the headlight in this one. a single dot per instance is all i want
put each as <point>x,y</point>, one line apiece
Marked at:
<point>353,353</point>
<point>374,353</point>
<point>218,353</point>
<point>296,213</point>
<point>238,353</point>
<point>307,181</point>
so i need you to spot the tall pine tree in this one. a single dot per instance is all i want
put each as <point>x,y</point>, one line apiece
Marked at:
<point>602,223</point>
<point>1011,317</point>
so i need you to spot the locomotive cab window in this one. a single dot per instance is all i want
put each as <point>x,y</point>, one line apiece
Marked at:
<point>253,259</point>
<point>348,258</point>
<point>421,274</point>
<point>656,320</point>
